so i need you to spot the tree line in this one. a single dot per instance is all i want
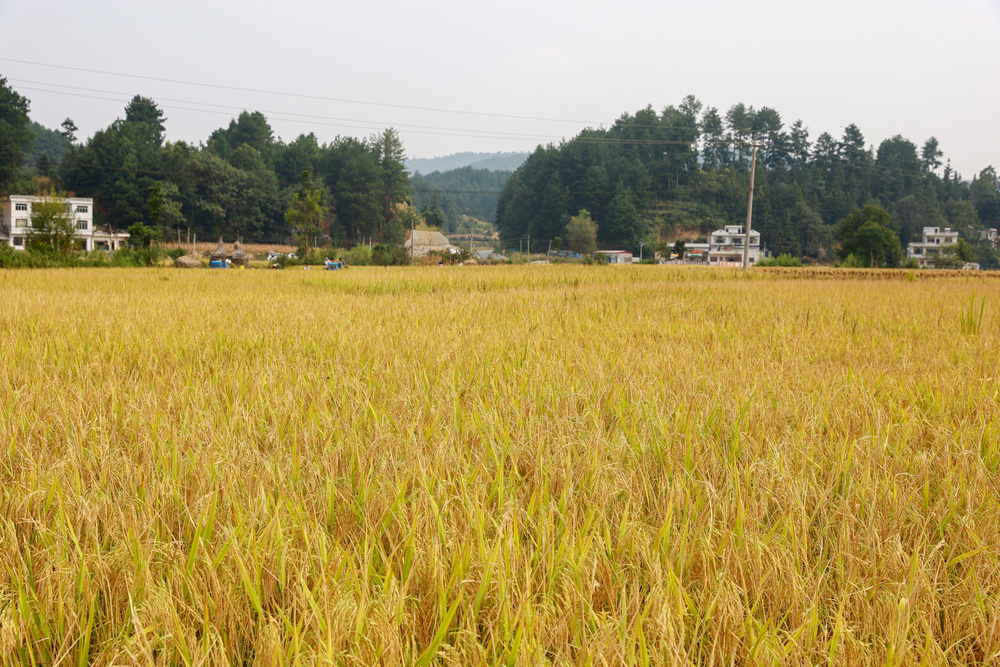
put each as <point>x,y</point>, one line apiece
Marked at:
<point>243,181</point>
<point>654,176</point>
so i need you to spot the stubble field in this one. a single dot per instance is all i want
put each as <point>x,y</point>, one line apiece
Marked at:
<point>498,465</point>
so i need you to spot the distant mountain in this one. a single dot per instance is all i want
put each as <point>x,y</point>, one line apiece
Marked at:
<point>488,161</point>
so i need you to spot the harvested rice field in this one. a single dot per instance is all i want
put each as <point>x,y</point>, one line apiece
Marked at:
<point>566,465</point>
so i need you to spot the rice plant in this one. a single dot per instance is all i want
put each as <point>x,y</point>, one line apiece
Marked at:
<point>497,465</point>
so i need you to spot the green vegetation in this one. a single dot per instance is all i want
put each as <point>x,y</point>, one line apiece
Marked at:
<point>464,191</point>
<point>581,233</point>
<point>686,170</point>
<point>15,134</point>
<point>241,183</point>
<point>785,260</point>
<point>649,178</point>
<point>867,237</point>
<point>51,232</point>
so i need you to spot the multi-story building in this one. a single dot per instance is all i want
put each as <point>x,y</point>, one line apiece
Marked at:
<point>15,224</point>
<point>725,246</point>
<point>934,240</point>
<point>990,236</point>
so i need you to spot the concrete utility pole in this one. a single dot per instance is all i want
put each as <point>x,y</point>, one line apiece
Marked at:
<point>413,241</point>
<point>746,240</point>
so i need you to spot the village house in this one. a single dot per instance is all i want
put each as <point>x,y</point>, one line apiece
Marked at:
<point>926,250</point>
<point>990,236</point>
<point>616,256</point>
<point>725,246</point>
<point>15,223</point>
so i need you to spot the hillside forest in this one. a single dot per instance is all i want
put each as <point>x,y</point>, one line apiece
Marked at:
<point>650,177</point>
<point>684,172</point>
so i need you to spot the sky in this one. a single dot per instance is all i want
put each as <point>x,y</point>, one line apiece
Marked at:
<point>456,76</point>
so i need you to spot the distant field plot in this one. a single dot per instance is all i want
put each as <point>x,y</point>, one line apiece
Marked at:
<point>499,465</point>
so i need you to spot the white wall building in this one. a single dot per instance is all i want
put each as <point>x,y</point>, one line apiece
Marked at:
<point>725,246</point>
<point>15,224</point>
<point>616,256</point>
<point>934,239</point>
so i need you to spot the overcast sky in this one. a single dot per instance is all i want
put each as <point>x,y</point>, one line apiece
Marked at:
<point>466,76</point>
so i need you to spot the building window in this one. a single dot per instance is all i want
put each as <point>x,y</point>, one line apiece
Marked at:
<point>81,224</point>
<point>18,241</point>
<point>21,222</point>
<point>81,209</point>
<point>20,207</point>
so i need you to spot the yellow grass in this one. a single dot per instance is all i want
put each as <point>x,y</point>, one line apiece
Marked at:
<point>498,465</point>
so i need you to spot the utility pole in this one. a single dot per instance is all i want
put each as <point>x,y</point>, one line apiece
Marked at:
<point>413,241</point>
<point>529,245</point>
<point>746,240</point>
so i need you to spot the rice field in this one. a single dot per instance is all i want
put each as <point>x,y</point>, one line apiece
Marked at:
<point>535,465</point>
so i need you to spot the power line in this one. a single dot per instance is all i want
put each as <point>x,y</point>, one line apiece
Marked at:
<point>449,132</point>
<point>270,113</point>
<point>295,95</point>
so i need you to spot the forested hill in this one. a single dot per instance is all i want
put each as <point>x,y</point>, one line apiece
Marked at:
<point>48,148</point>
<point>458,192</point>
<point>488,161</point>
<point>652,174</point>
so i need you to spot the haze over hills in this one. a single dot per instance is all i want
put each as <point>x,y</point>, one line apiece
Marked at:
<point>488,161</point>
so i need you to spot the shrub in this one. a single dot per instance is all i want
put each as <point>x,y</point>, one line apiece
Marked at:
<point>359,255</point>
<point>851,262</point>
<point>784,259</point>
<point>385,254</point>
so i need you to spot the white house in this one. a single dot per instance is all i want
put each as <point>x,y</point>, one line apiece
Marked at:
<point>725,246</point>
<point>934,239</point>
<point>616,256</point>
<point>990,236</point>
<point>15,224</point>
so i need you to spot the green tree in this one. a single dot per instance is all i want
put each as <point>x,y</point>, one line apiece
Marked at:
<point>679,248</point>
<point>306,211</point>
<point>581,233</point>
<point>931,155</point>
<point>164,210</point>
<point>144,120</point>
<point>69,130</point>
<point>394,183</point>
<point>51,231</point>
<point>15,132</point>
<point>865,234</point>
<point>141,237</point>
<point>622,222</point>
<point>432,215</point>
